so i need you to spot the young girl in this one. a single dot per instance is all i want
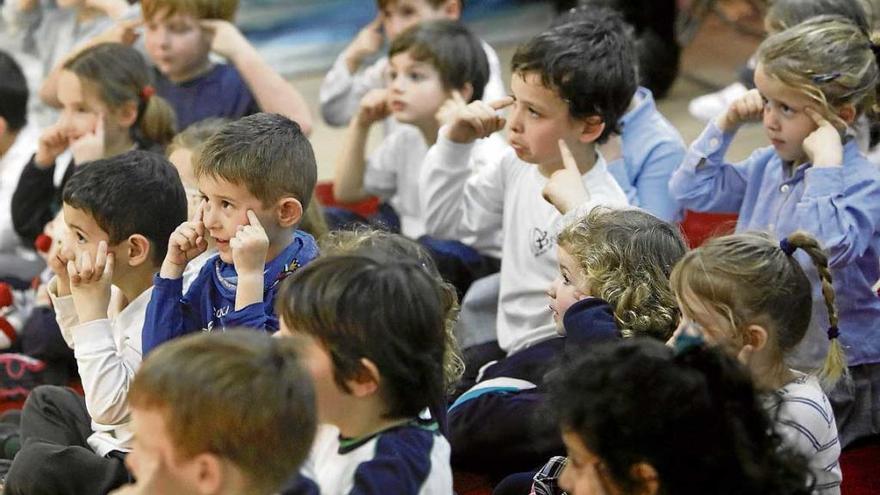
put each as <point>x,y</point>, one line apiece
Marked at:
<point>813,80</point>
<point>108,108</point>
<point>638,418</point>
<point>750,296</point>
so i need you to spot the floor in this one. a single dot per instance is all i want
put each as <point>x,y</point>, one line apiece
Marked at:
<point>711,58</point>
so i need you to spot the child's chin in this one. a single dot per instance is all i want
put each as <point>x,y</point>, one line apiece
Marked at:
<point>226,257</point>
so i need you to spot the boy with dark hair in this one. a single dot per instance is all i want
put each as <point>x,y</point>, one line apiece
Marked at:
<point>201,434</point>
<point>180,35</point>
<point>377,361</point>
<point>570,86</point>
<point>349,81</point>
<point>18,141</point>
<point>119,213</point>
<point>256,178</point>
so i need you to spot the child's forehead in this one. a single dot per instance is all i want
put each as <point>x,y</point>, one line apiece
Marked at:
<point>410,58</point>
<point>530,87</point>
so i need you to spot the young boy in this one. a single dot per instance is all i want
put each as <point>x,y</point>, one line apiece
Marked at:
<point>119,213</point>
<point>428,62</point>
<point>180,35</point>
<point>570,86</point>
<point>377,361</point>
<point>18,141</point>
<point>348,81</point>
<point>256,177</point>
<point>201,434</point>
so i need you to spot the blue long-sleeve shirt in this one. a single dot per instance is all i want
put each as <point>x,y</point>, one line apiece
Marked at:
<point>652,149</point>
<point>210,302</point>
<point>839,206</point>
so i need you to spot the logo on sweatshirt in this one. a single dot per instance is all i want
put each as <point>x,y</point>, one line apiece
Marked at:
<point>541,241</point>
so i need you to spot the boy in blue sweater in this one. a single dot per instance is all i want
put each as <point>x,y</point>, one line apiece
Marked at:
<point>256,178</point>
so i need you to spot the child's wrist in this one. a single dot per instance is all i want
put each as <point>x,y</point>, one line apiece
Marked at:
<point>171,270</point>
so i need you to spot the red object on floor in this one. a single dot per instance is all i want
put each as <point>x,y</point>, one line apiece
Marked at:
<point>699,227</point>
<point>364,208</point>
<point>464,483</point>
<point>861,468</point>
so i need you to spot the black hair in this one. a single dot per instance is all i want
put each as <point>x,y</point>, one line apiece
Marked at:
<point>392,313</point>
<point>137,192</point>
<point>265,152</point>
<point>694,417</point>
<point>590,62</point>
<point>13,93</point>
<point>452,49</point>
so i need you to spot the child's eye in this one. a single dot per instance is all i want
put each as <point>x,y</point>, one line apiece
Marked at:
<point>392,75</point>
<point>764,101</point>
<point>533,113</point>
<point>416,77</point>
<point>565,279</point>
<point>225,204</point>
<point>79,238</point>
<point>786,110</point>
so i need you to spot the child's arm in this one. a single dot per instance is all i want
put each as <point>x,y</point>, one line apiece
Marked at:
<point>106,370</point>
<point>348,180</point>
<point>455,202</point>
<point>840,205</point>
<point>343,86</point>
<point>704,181</point>
<point>272,92</point>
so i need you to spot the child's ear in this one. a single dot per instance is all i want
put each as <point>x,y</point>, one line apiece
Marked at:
<point>209,473</point>
<point>592,127</point>
<point>466,91</point>
<point>847,113</point>
<point>289,212</point>
<point>127,114</point>
<point>757,337</point>
<point>367,381</point>
<point>138,250</point>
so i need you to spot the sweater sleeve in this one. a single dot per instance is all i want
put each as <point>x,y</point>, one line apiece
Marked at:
<point>341,91</point>
<point>33,199</point>
<point>652,183</point>
<point>169,315</point>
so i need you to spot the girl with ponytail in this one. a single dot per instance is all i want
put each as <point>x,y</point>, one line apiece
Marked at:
<point>109,107</point>
<point>813,81</point>
<point>748,295</point>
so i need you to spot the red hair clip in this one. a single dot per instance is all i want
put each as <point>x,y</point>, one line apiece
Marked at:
<point>147,92</point>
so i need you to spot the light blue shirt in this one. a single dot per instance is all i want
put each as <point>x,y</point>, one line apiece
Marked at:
<point>652,148</point>
<point>839,206</point>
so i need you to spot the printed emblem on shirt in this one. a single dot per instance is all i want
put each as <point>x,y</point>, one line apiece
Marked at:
<point>541,241</point>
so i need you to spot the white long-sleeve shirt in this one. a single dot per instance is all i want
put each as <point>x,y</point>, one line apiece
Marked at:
<point>108,353</point>
<point>505,194</point>
<point>341,91</point>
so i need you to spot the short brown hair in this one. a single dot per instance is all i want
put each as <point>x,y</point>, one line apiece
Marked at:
<point>241,395</point>
<point>200,9</point>
<point>267,153</point>
<point>384,4</point>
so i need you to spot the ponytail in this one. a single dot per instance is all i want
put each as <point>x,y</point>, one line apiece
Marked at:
<point>156,122</point>
<point>835,361</point>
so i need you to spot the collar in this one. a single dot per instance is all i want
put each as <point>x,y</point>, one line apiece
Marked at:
<point>645,104</point>
<point>296,254</point>
<point>347,445</point>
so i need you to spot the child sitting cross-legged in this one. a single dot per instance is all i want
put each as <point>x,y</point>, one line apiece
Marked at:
<point>119,213</point>
<point>376,342</point>
<point>256,177</point>
<point>196,428</point>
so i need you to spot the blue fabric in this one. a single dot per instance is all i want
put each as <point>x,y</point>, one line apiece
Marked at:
<point>589,321</point>
<point>400,465</point>
<point>839,206</point>
<point>652,148</point>
<point>221,92</point>
<point>210,305</point>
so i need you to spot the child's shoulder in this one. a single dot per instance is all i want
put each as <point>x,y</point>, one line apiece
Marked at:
<point>407,458</point>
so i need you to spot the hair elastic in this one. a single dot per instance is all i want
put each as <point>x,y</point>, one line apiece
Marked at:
<point>787,247</point>
<point>833,332</point>
<point>147,93</point>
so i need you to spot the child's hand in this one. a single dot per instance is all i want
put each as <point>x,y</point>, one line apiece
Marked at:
<point>565,190</point>
<point>226,40</point>
<point>449,108</point>
<point>185,244</point>
<point>368,41</point>
<point>91,146</point>
<point>124,32</point>
<point>373,107</point>
<point>90,282</point>
<point>477,120</point>
<point>747,108</point>
<point>52,143</point>
<point>58,258</point>
<point>823,146</point>
<point>249,247</point>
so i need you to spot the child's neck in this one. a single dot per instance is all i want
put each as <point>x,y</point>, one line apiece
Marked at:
<point>584,156</point>
<point>278,242</point>
<point>119,146</point>
<point>429,130</point>
<point>6,142</point>
<point>203,67</point>
<point>769,373</point>
<point>135,282</point>
<point>365,418</point>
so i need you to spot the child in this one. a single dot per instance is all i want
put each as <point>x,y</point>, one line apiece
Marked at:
<point>119,213</point>
<point>349,81</point>
<point>18,140</point>
<point>179,37</point>
<point>612,282</point>
<point>377,362</point>
<point>570,85</point>
<point>707,433</point>
<point>750,296</point>
<point>812,178</point>
<point>108,108</point>
<point>202,434</point>
<point>256,177</point>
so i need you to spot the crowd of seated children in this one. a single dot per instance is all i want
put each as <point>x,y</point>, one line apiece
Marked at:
<point>119,214</point>
<point>256,177</point>
<point>341,373</point>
